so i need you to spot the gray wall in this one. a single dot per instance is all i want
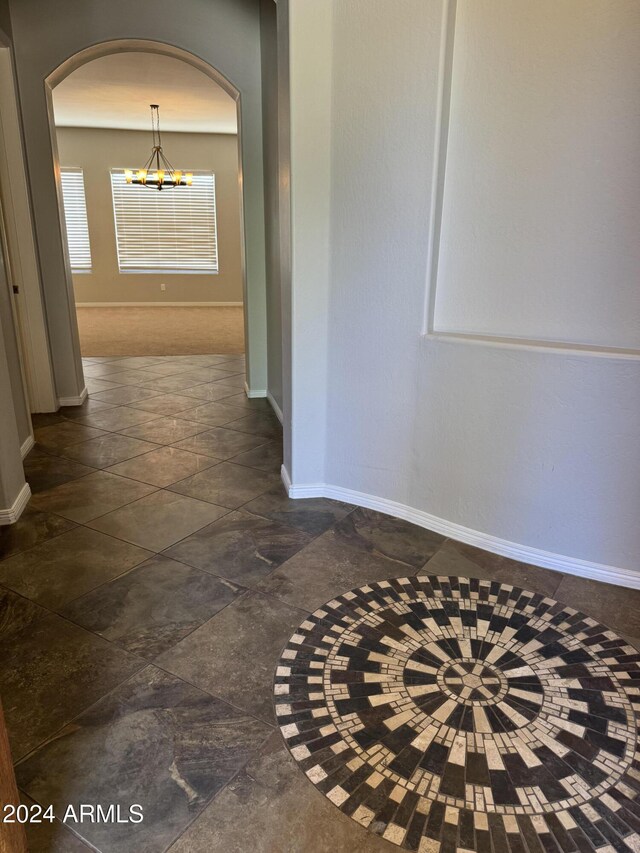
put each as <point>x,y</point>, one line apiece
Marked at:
<point>15,423</point>
<point>15,420</point>
<point>97,151</point>
<point>269,48</point>
<point>12,353</point>
<point>225,34</point>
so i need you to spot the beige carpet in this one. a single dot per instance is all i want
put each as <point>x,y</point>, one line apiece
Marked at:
<point>159,330</point>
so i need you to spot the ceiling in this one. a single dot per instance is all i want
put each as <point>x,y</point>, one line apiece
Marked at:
<point>116,90</point>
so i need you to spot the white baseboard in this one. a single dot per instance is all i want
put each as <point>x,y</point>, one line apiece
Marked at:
<point>286,479</point>
<point>276,408</point>
<point>253,395</point>
<point>159,304</point>
<point>13,513</point>
<point>27,444</point>
<point>503,547</point>
<point>74,401</point>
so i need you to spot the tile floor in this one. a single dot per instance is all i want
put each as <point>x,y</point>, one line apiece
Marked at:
<point>146,595</point>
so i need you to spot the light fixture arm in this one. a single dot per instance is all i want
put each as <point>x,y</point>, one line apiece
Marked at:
<point>165,177</point>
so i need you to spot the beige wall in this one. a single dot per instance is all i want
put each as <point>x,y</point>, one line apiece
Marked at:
<point>97,151</point>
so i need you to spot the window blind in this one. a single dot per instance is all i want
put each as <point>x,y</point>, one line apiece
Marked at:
<point>75,216</point>
<point>172,231</point>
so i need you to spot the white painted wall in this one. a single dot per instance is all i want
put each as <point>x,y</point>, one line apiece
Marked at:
<point>311,32</point>
<point>528,450</point>
<point>542,190</point>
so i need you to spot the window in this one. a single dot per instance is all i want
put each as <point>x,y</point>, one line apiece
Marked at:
<point>75,216</point>
<point>171,231</point>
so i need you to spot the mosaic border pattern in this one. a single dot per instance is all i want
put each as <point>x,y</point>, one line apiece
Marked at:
<point>453,714</point>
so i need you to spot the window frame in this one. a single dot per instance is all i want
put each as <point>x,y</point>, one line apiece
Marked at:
<point>166,270</point>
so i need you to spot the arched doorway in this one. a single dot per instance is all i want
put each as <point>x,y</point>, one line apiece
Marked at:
<point>253,299</point>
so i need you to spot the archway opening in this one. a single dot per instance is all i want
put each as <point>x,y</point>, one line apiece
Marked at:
<point>157,278</point>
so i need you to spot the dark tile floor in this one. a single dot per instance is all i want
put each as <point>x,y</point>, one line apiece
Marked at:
<point>146,595</point>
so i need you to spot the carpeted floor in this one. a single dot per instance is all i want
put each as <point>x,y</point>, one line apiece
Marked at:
<point>160,330</point>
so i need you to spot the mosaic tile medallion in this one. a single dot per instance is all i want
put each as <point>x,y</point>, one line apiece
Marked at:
<point>453,714</point>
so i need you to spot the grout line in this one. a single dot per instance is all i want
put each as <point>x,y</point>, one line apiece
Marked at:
<point>59,824</point>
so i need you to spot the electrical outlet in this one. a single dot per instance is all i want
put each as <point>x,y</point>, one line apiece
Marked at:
<point>163,286</point>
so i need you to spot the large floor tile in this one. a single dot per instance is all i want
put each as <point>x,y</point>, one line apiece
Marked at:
<point>455,558</point>
<point>166,367</point>
<point>214,414</point>
<point>126,394</point>
<point>165,430</point>
<point>96,370</point>
<point>266,457</point>
<point>271,808</point>
<point>31,528</point>
<point>16,613</point>
<point>152,607</point>
<point>615,606</point>
<point>51,671</point>
<point>94,385</point>
<point>207,374</point>
<point>108,450</point>
<point>387,536</point>
<point>253,404</point>
<point>90,496</point>
<point>155,741</point>
<point>158,520</point>
<point>241,547</point>
<point>230,364</point>
<point>226,485</point>
<point>314,515</point>
<point>138,362</point>
<point>118,418</point>
<point>45,419</point>
<point>220,443</point>
<point>178,383</point>
<point>163,466</point>
<point>209,391</point>
<point>326,568</point>
<point>259,423</point>
<point>216,361</point>
<point>44,471</point>
<point>234,380</point>
<point>50,837</point>
<point>89,406</point>
<point>234,655</point>
<point>60,435</point>
<point>129,377</point>
<point>68,566</point>
<point>166,404</point>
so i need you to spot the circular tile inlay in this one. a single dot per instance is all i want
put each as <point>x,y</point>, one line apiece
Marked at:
<point>460,714</point>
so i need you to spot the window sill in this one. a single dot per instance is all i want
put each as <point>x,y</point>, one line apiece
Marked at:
<point>168,272</point>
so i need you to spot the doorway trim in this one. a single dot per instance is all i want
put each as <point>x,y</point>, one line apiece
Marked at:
<point>22,255</point>
<point>140,46</point>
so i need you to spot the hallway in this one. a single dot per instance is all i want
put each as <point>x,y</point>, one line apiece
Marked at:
<point>148,591</point>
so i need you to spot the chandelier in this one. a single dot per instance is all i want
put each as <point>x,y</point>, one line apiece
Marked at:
<point>158,172</point>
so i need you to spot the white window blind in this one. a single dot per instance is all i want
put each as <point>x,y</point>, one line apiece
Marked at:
<point>75,215</point>
<point>172,230</point>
